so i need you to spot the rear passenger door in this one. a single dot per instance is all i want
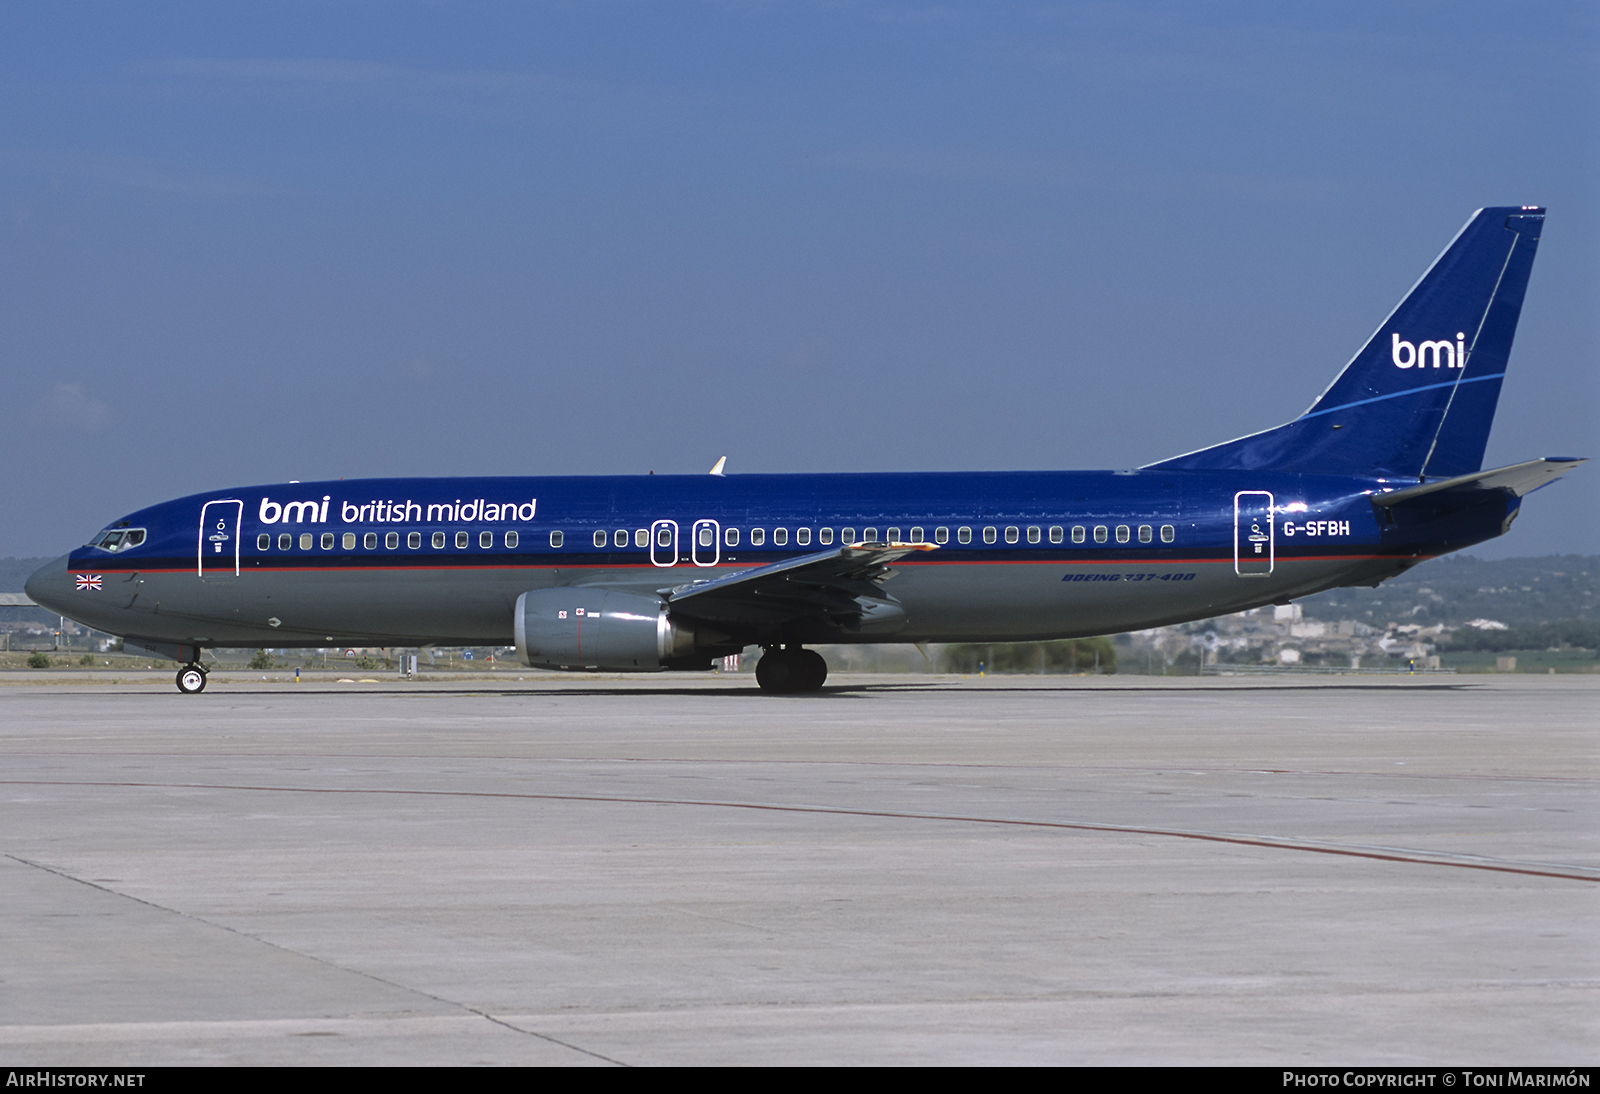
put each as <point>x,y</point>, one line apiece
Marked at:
<point>1253,541</point>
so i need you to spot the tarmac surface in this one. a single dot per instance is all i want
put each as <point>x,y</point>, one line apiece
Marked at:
<point>901,870</point>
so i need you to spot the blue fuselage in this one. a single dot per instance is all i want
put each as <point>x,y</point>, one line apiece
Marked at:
<point>1024,555</point>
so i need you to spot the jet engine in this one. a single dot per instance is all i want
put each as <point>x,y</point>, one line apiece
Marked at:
<point>597,629</point>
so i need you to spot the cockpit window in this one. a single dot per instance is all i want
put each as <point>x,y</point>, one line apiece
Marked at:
<point>118,539</point>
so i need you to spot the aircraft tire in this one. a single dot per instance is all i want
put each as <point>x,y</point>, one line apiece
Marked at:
<point>191,679</point>
<point>775,672</point>
<point>791,671</point>
<point>814,670</point>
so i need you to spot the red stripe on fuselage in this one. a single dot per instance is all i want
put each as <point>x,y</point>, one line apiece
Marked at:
<point>690,568</point>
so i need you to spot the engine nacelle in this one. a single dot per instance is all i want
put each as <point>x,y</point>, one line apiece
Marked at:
<point>580,629</point>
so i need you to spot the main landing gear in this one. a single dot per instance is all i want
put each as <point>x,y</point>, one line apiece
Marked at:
<point>192,679</point>
<point>790,669</point>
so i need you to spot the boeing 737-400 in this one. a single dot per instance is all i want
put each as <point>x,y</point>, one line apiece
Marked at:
<point>645,573</point>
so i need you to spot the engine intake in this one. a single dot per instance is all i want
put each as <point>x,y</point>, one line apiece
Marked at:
<point>579,629</point>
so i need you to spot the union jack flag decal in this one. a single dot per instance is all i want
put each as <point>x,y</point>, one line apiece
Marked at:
<point>87,581</point>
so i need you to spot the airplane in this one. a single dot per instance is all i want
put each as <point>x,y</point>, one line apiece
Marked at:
<point>669,572</point>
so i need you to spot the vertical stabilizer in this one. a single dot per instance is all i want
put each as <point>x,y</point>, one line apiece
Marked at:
<point>1417,401</point>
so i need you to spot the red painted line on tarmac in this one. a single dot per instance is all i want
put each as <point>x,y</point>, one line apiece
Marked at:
<point>1266,842</point>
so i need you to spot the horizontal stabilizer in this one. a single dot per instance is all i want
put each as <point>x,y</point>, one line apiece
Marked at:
<point>1518,478</point>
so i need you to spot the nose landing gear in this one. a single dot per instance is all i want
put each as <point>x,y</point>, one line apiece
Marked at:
<point>789,670</point>
<point>191,679</point>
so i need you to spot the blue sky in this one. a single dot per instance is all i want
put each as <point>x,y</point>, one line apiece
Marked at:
<point>247,243</point>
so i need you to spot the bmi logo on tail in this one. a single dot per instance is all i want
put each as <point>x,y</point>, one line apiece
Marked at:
<point>1407,354</point>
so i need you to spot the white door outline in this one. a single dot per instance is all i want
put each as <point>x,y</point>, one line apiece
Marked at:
<point>217,534</point>
<point>1253,547</point>
<point>655,535</point>
<point>716,542</point>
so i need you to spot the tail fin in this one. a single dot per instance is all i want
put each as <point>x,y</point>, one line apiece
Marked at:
<point>1418,400</point>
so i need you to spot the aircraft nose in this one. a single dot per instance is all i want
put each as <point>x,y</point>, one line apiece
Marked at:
<point>51,586</point>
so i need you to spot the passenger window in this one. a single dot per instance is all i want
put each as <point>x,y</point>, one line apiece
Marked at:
<point>285,542</point>
<point>392,541</point>
<point>512,539</point>
<point>708,535</point>
<point>664,536</point>
<point>413,540</point>
<point>964,534</point>
<point>1168,533</point>
<point>825,536</point>
<point>1033,534</point>
<point>941,535</point>
<point>485,539</point>
<point>989,535</point>
<point>780,536</point>
<point>893,536</point>
<point>730,536</point>
<point>599,538</point>
<point>305,541</point>
<point>869,535</point>
<point>1056,535</point>
<point>802,536</point>
<point>619,538</point>
<point>1011,534</point>
<point>462,539</point>
<point>641,537</point>
<point>1122,533</point>
<point>327,541</point>
<point>438,541</point>
<point>263,542</point>
<point>1101,534</point>
<point>349,541</point>
<point>370,541</point>
<point>847,535</point>
<point>1077,533</point>
<point>1145,535</point>
<point>557,538</point>
<point>757,537</point>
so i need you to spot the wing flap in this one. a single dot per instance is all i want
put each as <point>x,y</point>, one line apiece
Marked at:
<point>842,581</point>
